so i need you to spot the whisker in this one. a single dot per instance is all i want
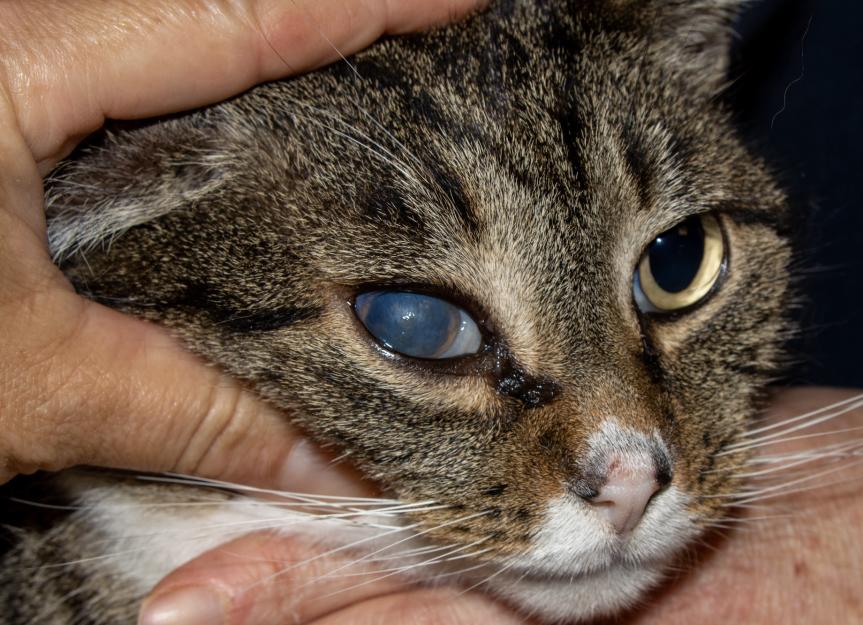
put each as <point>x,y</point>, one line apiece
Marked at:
<point>390,572</point>
<point>807,489</point>
<point>328,554</point>
<point>743,520</point>
<point>355,101</point>
<point>381,152</point>
<point>791,420</point>
<point>756,442</point>
<point>104,556</point>
<point>228,503</point>
<point>366,540</point>
<point>800,437</point>
<point>234,528</point>
<point>176,478</point>
<point>778,490</point>
<point>467,569</point>
<point>512,561</point>
<point>840,449</point>
<point>842,452</point>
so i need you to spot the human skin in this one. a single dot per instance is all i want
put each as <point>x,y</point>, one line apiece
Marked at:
<point>82,384</point>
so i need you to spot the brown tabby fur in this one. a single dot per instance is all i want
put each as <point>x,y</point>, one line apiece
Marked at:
<point>520,163</point>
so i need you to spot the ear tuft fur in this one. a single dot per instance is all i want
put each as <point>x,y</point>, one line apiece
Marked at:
<point>694,35</point>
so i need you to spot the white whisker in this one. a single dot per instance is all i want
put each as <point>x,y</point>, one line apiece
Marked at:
<point>782,434</point>
<point>799,437</point>
<point>387,573</point>
<point>176,478</point>
<point>364,541</point>
<point>808,415</point>
<point>512,561</point>
<point>780,489</point>
<point>842,451</point>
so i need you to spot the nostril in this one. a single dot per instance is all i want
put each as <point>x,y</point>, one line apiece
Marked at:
<point>663,474</point>
<point>585,488</point>
<point>662,466</point>
<point>623,496</point>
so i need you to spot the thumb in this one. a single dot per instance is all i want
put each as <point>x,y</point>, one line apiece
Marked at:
<point>83,384</point>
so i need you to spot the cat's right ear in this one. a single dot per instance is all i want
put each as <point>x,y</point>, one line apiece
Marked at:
<point>122,180</point>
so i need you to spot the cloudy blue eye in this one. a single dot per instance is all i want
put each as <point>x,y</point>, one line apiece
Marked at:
<point>418,325</point>
<point>680,266</point>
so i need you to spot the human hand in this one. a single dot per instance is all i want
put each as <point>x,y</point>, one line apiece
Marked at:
<point>795,561</point>
<point>82,384</point>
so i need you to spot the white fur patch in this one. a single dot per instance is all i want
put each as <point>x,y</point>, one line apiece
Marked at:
<point>579,567</point>
<point>149,541</point>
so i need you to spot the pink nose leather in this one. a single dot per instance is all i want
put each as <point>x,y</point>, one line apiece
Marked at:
<point>626,493</point>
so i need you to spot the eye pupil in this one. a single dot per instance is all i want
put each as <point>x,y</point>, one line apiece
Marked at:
<point>676,255</point>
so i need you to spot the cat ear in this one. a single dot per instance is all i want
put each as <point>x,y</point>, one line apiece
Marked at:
<point>118,181</point>
<point>695,36</point>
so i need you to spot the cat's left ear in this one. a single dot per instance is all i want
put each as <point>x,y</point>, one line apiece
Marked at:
<point>694,36</point>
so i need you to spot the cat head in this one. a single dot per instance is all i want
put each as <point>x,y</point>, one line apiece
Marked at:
<point>521,266</point>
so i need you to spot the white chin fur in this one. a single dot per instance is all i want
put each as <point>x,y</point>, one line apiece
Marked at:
<point>152,541</point>
<point>582,598</point>
<point>578,568</point>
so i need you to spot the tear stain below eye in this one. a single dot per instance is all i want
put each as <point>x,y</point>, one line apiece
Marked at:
<point>512,381</point>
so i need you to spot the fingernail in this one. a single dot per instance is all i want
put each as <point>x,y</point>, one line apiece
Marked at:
<point>308,470</point>
<point>185,606</point>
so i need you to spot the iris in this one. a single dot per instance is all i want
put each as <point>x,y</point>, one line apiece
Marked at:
<point>680,266</point>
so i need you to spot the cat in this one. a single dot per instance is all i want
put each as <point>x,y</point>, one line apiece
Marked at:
<point>521,271</point>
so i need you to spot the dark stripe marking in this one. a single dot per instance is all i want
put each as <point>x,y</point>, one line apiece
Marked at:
<point>639,164</point>
<point>450,185</point>
<point>203,298</point>
<point>265,320</point>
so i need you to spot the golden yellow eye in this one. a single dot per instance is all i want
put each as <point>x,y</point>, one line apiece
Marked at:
<point>680,266</point>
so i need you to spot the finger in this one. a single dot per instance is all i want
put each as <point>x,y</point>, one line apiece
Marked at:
<point>83,384</point>
<point>424,607</point>
<point>71,63</point>
<point>263,579</point>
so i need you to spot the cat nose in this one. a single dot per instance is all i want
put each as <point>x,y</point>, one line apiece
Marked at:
<point>623,495</point>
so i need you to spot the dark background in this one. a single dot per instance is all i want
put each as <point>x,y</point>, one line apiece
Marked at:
<point>798,94</point>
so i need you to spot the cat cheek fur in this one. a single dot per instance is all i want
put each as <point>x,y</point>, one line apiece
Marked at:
<point>521,161</point>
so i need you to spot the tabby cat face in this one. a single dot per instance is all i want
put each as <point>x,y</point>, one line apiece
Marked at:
<point>517,167</point>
